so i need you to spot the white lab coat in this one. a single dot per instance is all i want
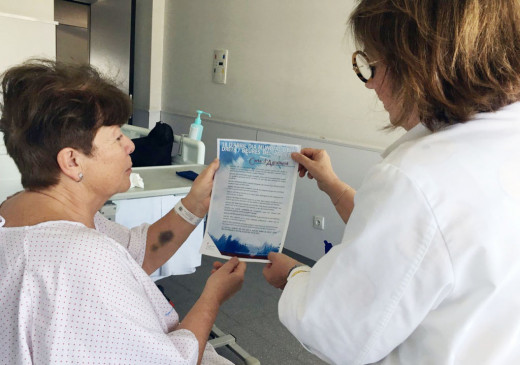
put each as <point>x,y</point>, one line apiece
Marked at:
<point>70,294</point>
<point>429,268</point>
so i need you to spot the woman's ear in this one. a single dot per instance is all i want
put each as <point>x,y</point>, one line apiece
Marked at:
<point>69,160</point>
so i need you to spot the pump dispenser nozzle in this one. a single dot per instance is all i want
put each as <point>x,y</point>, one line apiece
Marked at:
<point>196,127</point>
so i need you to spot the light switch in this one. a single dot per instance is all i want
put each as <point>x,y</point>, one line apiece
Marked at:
<point>220,61</point>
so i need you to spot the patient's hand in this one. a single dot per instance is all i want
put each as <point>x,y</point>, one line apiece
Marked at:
<point>197,200</point>
<point>225,280</point>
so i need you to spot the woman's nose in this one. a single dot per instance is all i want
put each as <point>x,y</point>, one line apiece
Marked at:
<point>130,145</point>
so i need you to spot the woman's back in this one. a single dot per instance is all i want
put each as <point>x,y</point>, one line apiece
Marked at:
<point>469,177</point>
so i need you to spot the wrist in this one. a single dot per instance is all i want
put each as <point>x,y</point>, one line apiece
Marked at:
<point>211,298</point>
<point>182,211</point>
<point>297,269</point>
<point>332,185</point>
<point>338,192</point>
<point>338,199</point>
<point>193,207</point>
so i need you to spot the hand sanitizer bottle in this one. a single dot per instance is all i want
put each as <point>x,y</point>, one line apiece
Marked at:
<point>196,127</point>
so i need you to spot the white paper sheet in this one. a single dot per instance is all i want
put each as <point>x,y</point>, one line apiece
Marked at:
<point>252,198</point>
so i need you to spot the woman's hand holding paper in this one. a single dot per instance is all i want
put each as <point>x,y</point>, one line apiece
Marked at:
<point>197,200</point>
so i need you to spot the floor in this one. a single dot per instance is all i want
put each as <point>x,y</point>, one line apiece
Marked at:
<point>250,316</point>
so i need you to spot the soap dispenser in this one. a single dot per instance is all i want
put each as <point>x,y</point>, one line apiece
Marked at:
<point>196,127</point>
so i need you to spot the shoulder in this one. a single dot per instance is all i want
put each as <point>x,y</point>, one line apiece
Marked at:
<point>487,134</point>
<point>428,151</point>
<point>110,228</point>
<point>462,151</point>
<point>69,245</point>
<point>68,258</point>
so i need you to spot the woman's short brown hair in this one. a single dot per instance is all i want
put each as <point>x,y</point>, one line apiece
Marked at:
<point>48,106</point>
<point>449,59</point>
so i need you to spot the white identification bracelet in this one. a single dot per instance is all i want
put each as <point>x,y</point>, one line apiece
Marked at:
<point>185,214</point>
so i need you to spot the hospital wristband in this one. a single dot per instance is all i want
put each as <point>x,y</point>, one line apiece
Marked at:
<point>297,269</point>
<point>185,214</point>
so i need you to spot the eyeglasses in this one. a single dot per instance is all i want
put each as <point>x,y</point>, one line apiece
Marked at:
<point>362,66</point>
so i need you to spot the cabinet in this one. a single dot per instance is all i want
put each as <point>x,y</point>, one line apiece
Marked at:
<point>163,188</point>
<point>133,212</point>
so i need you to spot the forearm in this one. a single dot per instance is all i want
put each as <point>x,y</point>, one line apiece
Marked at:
<point>167,234</point>
<point>164,238</point>
<point>345,204</point>
<point>342,197</point>
<point>200,320</point>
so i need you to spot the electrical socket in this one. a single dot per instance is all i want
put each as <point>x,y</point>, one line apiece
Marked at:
<point>220,60</point>
<point>318,222</point>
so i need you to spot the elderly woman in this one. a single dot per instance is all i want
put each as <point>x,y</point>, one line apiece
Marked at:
<point>429,268</point>
<point>75,286</point>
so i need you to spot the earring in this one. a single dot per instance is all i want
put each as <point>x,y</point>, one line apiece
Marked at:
<point>80,176</point>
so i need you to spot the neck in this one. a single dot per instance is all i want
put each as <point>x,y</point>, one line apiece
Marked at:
<point>71,200</point>
<point>413,120</point>
<point>62,203</point>
<point>68,200</point>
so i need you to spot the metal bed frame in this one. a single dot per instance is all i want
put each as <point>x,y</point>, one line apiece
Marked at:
<point>220,339</point>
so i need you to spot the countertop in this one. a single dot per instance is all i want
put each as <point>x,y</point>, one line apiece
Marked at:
<point>159,181</point>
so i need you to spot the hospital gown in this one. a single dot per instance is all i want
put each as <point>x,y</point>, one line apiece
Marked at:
<point>71,294</point>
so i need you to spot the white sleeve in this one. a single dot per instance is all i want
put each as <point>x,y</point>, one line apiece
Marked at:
<point>368,294</point>
<point>133,239</point>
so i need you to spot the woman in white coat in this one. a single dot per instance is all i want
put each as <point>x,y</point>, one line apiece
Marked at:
<point>429,268</point>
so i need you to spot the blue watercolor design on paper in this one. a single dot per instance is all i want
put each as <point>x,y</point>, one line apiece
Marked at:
<point>243,157</point>
<point>230,246</point>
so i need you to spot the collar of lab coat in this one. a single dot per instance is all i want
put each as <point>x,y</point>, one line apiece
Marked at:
<point>415,133</point>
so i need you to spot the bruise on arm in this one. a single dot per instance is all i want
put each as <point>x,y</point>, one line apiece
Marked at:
<point>164,238</point>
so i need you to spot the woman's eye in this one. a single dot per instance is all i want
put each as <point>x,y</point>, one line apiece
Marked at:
<point>120,137</point>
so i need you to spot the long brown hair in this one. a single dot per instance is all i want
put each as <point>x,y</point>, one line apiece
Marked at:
<point>449,59</point>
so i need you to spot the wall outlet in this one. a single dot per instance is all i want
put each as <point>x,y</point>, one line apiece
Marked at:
<point>220,61</point>
<point>318,222</point>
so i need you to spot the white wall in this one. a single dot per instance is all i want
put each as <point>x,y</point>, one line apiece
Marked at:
<point>289,68</point>
<point>27,29</point>
<point>148,53</point>
<point>42,10</point>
